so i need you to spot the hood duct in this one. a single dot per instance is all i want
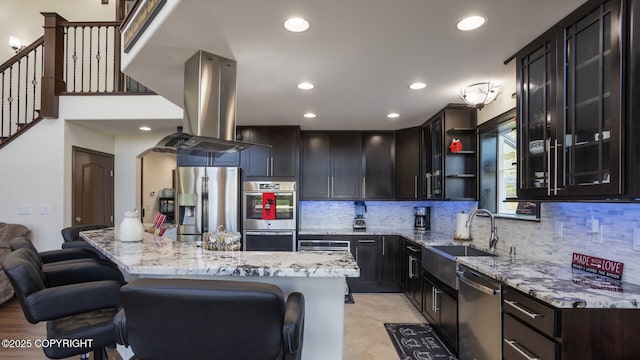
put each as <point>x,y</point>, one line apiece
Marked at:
<point>209,107</point>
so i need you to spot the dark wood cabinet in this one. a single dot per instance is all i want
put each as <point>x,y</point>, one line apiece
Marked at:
<point>366,250</point>
<point>412,273</point>
<point>542,331</point>
<point>450,175</point>
<point>569,84</point>
<point>390,264</point>
<point>408,179</point>
<point>280,161</point>
<point>440,308</point>
<point>331,165</point>
<point>378,152</point>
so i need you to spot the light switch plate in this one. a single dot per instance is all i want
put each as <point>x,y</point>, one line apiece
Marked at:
<point>24,209</point>
<point>44,209</point>
<point>636,238</point>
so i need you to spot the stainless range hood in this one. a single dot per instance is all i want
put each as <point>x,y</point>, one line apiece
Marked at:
<point>209,107</point>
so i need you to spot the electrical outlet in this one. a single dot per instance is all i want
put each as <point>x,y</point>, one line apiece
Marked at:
<point>44,209</point>
<point>593,225</point>
<point>598,235</point>
<point>636,238</point>
<point>557,229</point>
<point>24,209</point>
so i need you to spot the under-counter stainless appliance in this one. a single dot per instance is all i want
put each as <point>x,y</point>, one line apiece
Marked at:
<point>328,245</point>
<point>206,197</point>
<point>269,215</point>
<point>480,332</point>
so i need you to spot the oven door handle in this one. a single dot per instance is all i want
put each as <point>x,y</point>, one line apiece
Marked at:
<point>269,232</point>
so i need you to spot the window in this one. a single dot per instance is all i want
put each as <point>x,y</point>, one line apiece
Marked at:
<point>498,169</point>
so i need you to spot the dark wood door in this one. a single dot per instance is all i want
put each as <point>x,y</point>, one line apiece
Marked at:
<point>256,160</point>
<point>285,151</point>
<point>346,165</point>
<point>448,308</point>
<point>390,264</point>
<point>92,187</point>
<point>316,166</point>
<point>379,165</point>
<point>408,163</point>
<point>429,301</point>
<point>366,251</point>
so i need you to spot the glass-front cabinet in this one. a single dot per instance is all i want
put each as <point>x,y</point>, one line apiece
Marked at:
<point>569,83</point>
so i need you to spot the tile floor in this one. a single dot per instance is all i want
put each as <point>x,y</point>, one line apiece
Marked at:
<point>364,335</point>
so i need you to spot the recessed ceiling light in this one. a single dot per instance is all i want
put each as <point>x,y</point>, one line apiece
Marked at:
<point>296,24</point>
<point>309,115</point>
<point>417,86</point>
<point>393,115</point>
<point>144,128</point>
<point>306,86</point>
<point>471,23</point>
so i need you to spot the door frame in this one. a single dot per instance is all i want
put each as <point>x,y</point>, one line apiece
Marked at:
<point>74,151</point>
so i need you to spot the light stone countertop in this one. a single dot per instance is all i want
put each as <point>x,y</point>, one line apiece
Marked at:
<point>557,285</point>
<point>189,258</point>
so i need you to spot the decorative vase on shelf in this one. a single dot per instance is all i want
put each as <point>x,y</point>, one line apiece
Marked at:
<point>131,228</point>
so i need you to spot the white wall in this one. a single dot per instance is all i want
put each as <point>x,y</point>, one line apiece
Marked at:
<point>22,18</point>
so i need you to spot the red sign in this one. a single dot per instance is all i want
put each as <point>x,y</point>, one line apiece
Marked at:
<point>268,206</point>
<point>604,267</point>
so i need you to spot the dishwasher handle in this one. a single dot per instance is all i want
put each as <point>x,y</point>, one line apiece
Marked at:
<point>484,289</point>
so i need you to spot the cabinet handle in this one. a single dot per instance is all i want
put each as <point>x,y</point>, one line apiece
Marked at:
<point>271,166</point>
<point>555,178</point>
<point>415,187</point>
<point>428,185</point>
<point>268,166</point>
<point>332,188</point>
<point>366,241</point>
<point>523,310</point>
<point>364,187</point>
<point>328,187</point>
<point>436,292</point>
<point>548,170</point>
<point>356,255</point>
<point>514,345</point>
<point>383,246</point>
<point>411,260</point>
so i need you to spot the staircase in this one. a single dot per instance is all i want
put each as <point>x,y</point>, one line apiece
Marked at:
<point>71,58</point>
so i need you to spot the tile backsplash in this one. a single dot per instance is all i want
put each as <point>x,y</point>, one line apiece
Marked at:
<point>538,239</point>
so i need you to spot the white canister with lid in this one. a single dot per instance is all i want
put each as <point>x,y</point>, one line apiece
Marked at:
<point>131,228</point>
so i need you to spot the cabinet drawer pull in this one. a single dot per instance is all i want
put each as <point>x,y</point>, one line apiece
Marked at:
<point>514,345</point>
<point>356,255</point>
<point>523,310</point>
<point>366,241</point>
<point>415,187</point>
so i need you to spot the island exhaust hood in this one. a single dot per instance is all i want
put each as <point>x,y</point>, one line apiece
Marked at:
<point>209,107</point>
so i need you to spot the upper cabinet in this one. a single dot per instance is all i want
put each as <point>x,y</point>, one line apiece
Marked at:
<point>570,107</point>
<point>450,172</point>
<point>408,184</point>
<point>347,165</point>
<point>280,161</point>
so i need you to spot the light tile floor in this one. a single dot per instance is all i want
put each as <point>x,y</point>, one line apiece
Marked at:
<point>364,335</point>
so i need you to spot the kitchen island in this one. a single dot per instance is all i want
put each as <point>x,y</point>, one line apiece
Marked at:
<point>318,275</point>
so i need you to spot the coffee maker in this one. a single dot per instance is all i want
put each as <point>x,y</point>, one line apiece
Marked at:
<point>423,218</point>
<point>359,222</point>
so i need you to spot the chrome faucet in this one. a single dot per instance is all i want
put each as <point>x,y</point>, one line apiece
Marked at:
<point>493,239</point>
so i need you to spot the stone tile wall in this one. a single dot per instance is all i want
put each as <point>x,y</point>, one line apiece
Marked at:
<point>532,238</point>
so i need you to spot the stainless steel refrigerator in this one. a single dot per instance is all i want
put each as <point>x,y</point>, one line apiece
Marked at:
<point>206,197</point>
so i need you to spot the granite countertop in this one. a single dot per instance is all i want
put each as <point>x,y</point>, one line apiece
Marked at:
<point>189,258</point>
<point>557,285</point>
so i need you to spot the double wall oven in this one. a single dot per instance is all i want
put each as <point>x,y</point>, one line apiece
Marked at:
<point>269,215</point>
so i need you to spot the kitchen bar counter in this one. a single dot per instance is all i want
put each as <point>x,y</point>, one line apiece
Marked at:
<point>557,285</point>
<point>320,276</point>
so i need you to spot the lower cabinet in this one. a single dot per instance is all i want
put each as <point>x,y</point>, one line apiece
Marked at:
<point>440,307</point>
<point>412,273</point>
<point>379,260</point>
<point>536,330</point>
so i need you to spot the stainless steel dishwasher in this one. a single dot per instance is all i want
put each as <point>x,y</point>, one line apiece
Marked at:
<point>479,316</point>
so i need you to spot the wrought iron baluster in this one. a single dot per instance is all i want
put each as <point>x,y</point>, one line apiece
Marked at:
<point>98,62</point>
<point>10,98</point>
<point>26,90</point>
<point>82,64</point>
<point>90,56</point>
<point>2,111</point>
<point>34,81</point>
<point>66,55</point>
<point>18,97</point>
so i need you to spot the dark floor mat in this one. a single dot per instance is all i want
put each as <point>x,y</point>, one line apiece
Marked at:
<point>417,342</point>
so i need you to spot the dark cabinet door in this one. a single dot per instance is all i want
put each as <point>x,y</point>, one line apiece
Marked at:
<point>280,161</point>
<point>255,160</point>
<point>390,264</point>
<point>346,165</point>
<point>429,301</point>
<point>448,307</point>
<point>285,151</point>
<point>378,166</point>
<point>408,164</point>
<point>316,166</point>
<point>366,251</point>
<point>433,163</point>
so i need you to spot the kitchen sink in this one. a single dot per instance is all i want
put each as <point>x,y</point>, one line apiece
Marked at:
<point>459,250</point>
<point>440,261</point>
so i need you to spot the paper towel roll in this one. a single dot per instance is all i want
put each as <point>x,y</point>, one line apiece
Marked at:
<point>462,231</point>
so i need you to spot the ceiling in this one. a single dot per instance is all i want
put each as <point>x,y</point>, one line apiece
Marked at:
<point>360,54</point>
